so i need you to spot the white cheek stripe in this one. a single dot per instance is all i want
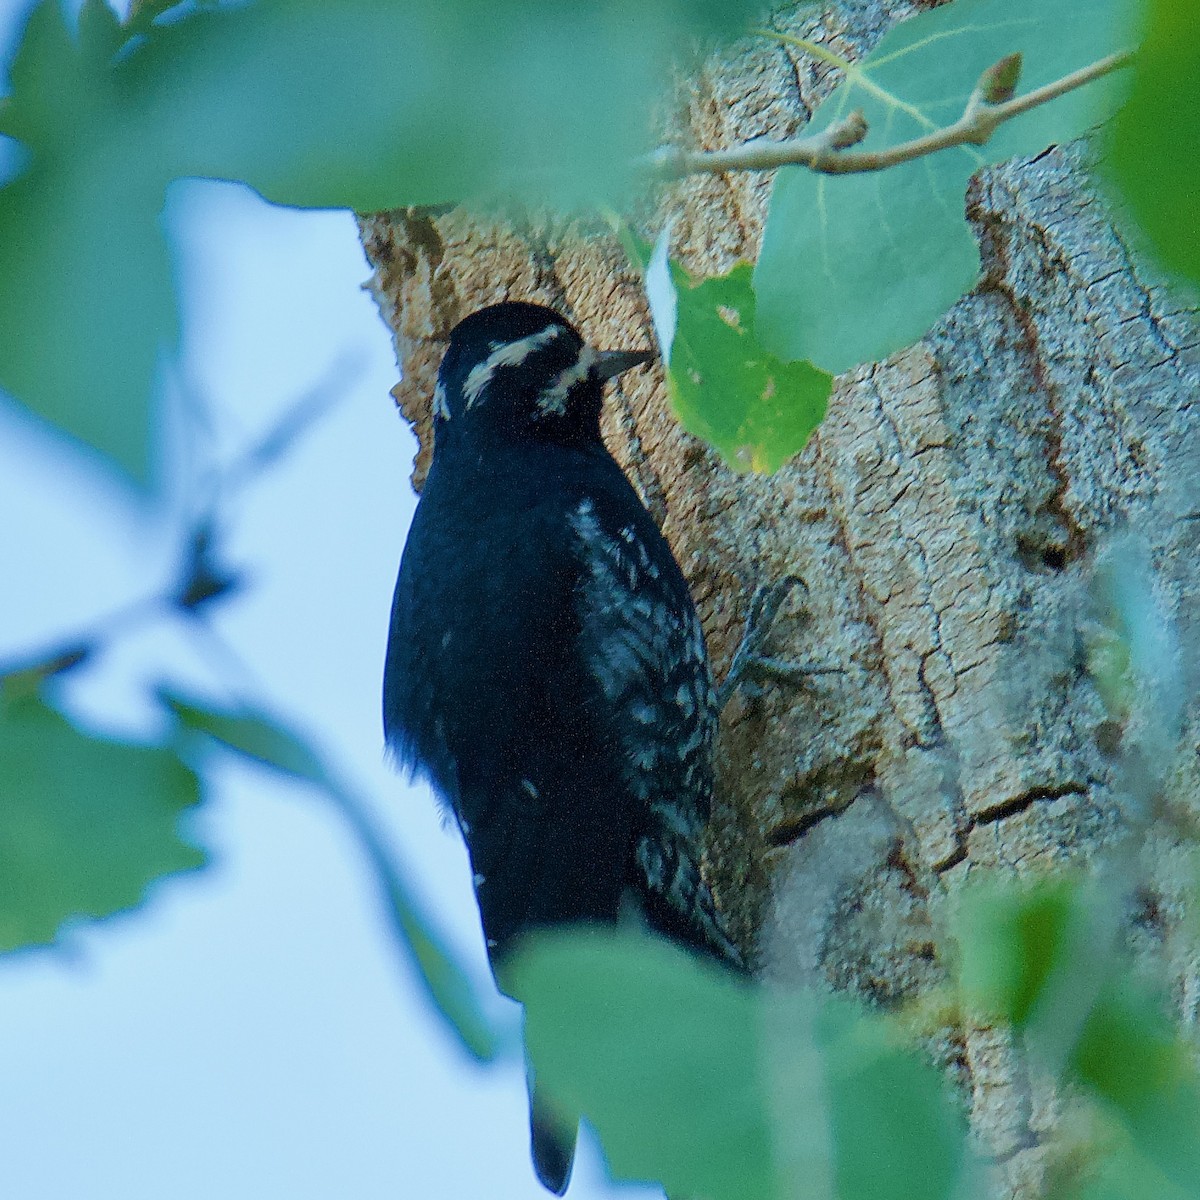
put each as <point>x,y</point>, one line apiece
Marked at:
<point>440,407</point>
<point>554,398</point>
<point>507,354</point>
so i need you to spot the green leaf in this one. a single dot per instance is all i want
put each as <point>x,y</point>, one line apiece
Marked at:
<point>86,301</point>
<point>1011,941</point>
<point>100,32</point>
<point>728,390</point>
<point>86,305</point>
<point>54,89</point>
<point>252,735</point>
<point>1106,1166</point>
<point>1152,155</point>
<point>1133,649</point>
<point>86,823</point>
<point>854,267</point>
<point>896,1135</point>
<point>1129,1055</point>
<point>712,1087</point>
<point>658,1053</point>
<point>376,103</point>
<point>267,741</point>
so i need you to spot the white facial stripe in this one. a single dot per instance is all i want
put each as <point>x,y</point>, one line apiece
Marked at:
<point>507,354</point>
<point>440,407</point>
<point>554,398</point>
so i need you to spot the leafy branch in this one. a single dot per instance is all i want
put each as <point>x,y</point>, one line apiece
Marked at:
<point>56,779</point>
<point>249,732</point>
<point>829,152</point>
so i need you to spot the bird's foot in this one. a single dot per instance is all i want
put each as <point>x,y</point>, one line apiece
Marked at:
<point>750,667</point>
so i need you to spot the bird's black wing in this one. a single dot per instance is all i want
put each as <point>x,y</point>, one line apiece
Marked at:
<point>642,643</point>
<point>486,693</point>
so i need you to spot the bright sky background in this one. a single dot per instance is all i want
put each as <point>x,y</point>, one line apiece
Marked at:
<point>251,1033</point>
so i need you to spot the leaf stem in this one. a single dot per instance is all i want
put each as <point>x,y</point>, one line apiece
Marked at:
<point>829,153</point>
<point>812,49</point>
<point>853,71</point>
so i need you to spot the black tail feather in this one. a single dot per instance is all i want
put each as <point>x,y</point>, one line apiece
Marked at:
<point>551,1144</point>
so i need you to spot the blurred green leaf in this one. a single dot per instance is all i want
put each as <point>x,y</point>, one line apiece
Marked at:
<point>1152,154</point>
<point>728,390</point>
<point>1011,940</point>
<point>1133,649</point>
<point>86,302</point>
<point>86,305</point>
<point>100,31</point>
<point>371,104</point>
<point>658,1052</point>
<point>1129,1055</point>
<point>49,81</point>
<point>1110,665</point>
<point>1101,1163</point>
<point>253,735</point>
<point>896,1134</point>
<point>854,267</point>
<point>86,823</point>
<point>712,1087</point>
<point>267,741</point>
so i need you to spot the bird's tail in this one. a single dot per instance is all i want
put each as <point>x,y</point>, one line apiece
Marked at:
<point>551,1142</point>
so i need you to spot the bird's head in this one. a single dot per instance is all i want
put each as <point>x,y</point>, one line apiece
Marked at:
<point>522,370</point>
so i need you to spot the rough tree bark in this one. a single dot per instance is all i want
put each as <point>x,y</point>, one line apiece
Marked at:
<point>946,517</point>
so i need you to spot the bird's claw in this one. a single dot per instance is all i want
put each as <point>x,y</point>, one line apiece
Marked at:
<point>750,664</point>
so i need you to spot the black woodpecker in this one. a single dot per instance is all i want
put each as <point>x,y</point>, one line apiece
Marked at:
<point>546,669</point>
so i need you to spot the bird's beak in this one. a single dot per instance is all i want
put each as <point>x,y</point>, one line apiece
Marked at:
<point>609,363</point>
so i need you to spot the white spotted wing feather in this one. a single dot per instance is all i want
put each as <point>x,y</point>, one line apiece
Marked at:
<point>645,648</point>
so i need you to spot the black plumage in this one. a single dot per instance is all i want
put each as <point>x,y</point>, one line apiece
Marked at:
<point>546,668</point>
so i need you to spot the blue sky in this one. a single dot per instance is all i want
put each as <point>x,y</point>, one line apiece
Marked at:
<point>251,1033</point>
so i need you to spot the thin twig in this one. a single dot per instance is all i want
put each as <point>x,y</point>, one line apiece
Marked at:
<point>828,152</point>
<point>204,576</point>
<point>71,651</point>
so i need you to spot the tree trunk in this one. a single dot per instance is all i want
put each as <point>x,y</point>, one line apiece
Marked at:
<point>946,517</point>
